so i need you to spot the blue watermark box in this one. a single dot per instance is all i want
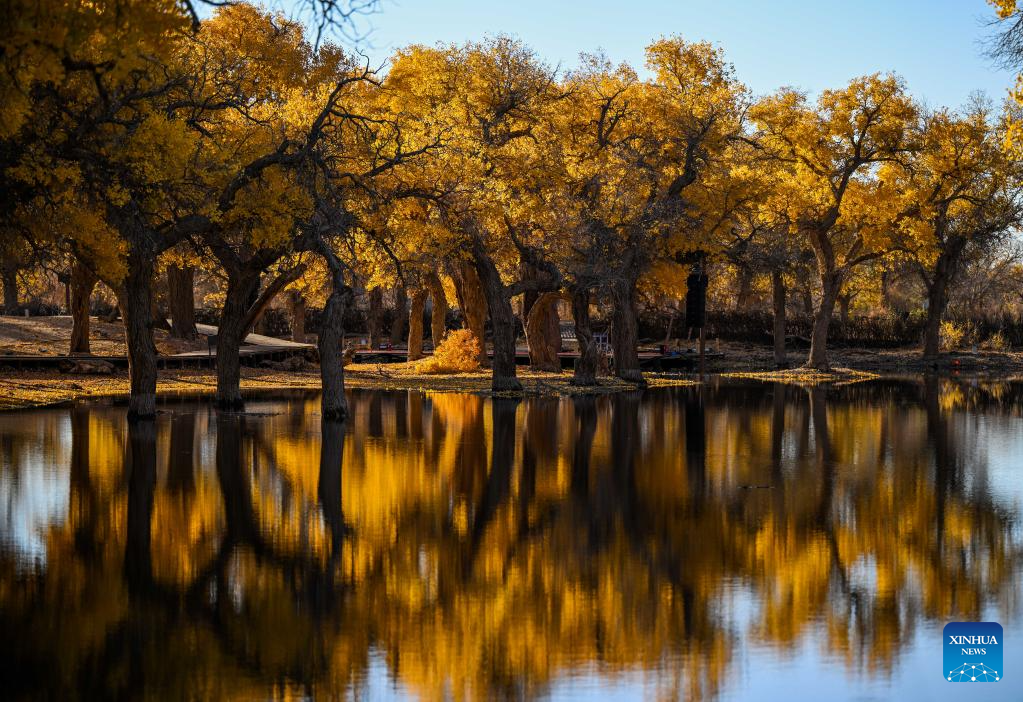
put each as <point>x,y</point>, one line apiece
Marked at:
<point>972,652</point>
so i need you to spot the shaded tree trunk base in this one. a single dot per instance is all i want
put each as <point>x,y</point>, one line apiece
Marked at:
<point>181,301</point>
<point>136,310</point>
<point>241,289</point>
<point>83,281</point>
<point>439,310</point>
<point>473,301</point>
<point>778,309</point>
<point>543,333</point>
<point>374,319</point>
<point>632,376</point>
<point>505,384</point>
<point>415,325</point>
<point>831,285</point>
<point>585,372</point>
<point>625,332</point>
<point>400,315</point>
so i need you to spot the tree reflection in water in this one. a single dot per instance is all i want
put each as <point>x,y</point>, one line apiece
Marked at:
<point>487,548</point>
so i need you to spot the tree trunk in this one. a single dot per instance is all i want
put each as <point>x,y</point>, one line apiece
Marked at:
<point>543,333</point>
<point>529,298</point>
<point>181,301</point>
<point>831,285</point>
<point>9,274</point>
<point>262,300</point>
<point>333,403</point>
<point>778,308</point>
<point>937,301</point>
<point>807,297</point>
<point>159,315</point>
<point>439,309</point>
<point>744,297</point>
<point>625,330</point>
<point>374,318</point>
<point>415,324</point>
<point>501,318</point>
<point>844,301</point>
<point>296,308</point>
<point>886,291</point>
<point>473,301</point>
<point>136,310</point>
<point>83,281</point>
<point>586,366</point>
<point>400,315</point>
<point>242,288</point>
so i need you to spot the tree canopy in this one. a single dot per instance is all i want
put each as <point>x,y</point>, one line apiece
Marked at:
<point>142,139</point>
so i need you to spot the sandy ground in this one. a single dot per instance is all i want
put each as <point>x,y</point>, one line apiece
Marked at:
<point>51,336</point>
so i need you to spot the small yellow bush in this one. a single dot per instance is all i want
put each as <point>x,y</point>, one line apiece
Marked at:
<point>958,336</point>
<point>997,342</point>
<point>951,335</point>
<point>458,353</point>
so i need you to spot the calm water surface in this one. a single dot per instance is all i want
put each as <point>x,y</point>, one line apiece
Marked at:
<point>739,541</point>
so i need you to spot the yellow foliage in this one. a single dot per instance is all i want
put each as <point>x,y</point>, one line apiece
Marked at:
<point>1005,8</point>
<point>997,342</point>
<point>458,353</point>
<point>955,335</point>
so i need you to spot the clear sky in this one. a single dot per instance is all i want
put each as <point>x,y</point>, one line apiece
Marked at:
<point>936,45</point>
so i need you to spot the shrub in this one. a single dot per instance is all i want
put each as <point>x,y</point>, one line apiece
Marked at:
<point>957,336</point>
<point>997,342</point>
<point>459,352</point>
<point>951,335</point>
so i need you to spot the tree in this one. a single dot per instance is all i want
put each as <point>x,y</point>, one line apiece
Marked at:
<point>638,151</point>
<point>960,192</point>
<point>829,194</point>
<point>106,155</point>
<point>282,101</point>
<point>1008,48</point>
<point>490,98</point>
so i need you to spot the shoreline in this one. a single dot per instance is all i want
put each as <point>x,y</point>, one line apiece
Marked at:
<point>32,389</point>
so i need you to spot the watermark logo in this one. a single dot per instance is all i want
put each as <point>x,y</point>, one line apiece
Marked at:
<point>973,652</point>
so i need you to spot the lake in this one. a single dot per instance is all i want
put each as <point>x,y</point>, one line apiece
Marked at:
<point>736,541</point>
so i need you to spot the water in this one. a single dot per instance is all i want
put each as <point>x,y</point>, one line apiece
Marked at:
<point>739,541</point>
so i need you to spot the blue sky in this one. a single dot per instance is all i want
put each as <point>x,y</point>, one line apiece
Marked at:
<point>934,44</point>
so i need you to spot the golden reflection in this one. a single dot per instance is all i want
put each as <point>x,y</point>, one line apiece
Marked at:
<point>488,547</point>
